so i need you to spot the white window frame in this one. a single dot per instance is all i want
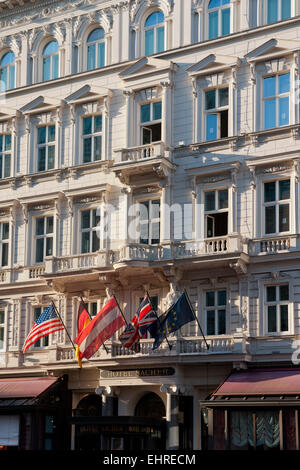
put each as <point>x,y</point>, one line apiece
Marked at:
<point>217,210</point>
<point>11,69</point>
<point>44,236</point>
<point>152,121</point>
<point>91,229</point>
<point>276,97</point>
<point>154,28</point>
<point>217,110</point>
<point>279,11</point>
<point>4,153</point>
<point>43,56</point>
<point>93,135</point>
<point>3,328</point>
<point>46,145</point>
<point>96,43</point>
<point>277,303</point>
<point>150,221</point>
<point>216,308</point>
<point>277,203</point>
<point>4,242</point>
<point>219,10</point>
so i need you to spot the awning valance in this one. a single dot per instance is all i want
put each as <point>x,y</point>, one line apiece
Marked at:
<point>23,391</point>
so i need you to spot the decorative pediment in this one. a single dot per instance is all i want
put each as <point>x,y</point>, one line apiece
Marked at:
<point>7,113</point>
<point>88,93</point>
<point>42,104</point>
<point>147,66</point>
<point>272,49</point>
<point>213,63</point>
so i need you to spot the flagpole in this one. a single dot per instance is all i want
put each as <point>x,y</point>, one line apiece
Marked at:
<point>85,306</point>
<point>196,318</point>
<point>63,324</point>
<point>120,310</point>
<point>170,346</point>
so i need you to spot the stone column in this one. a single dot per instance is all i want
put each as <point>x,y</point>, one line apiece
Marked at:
<point>172,413</point>
<point>108,394</point>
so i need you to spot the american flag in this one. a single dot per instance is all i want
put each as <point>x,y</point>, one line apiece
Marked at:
<point>48,322</point>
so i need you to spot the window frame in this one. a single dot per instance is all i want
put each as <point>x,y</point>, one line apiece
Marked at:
<point>277,203</point>
<point>51,56</point>
<point>91,136</point>
<point>46,145</point>
<point>5,153</point>
<point>216,308</point>
<point>5,241</point>
<point>10,72</point>
<point>43,236</point>
<point>97,44</point>
<point>216,110</point>
<point>3,329</point>
<point>217,210</point>
<point>279,12</point>
<point>145,124</point>
<point>43,342</point>
<point>155,32</point>
<point>218,9</point>
<point>278,303</point>
<point>277,98</point>
<point>149,221</point>
<point>90,230</point>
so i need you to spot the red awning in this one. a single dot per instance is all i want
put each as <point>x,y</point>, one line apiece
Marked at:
<point>261,382</point>
<point>25,387</point>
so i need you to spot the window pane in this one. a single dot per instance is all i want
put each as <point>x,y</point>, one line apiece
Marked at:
<point>272,319</point>
<point>7,142</point>
<point>271,294</point>
<point>87,125</point>
<point>145,112</point>
<point>284,218</point>
<point>213,24</point>
<point>39,255</point>
<point>46,68</point>
<point>160,39</point>
<point>270,191</point>
<point>149,42</point>
<point>98,123</point>
<point>155,206</point>
<point>221,297</point>
<point>155,232</point>
<point>1,338</point>
<point>101,54</point>
<point>85,219</point>
<point>87,150</point>
<point>210,201</point>
<point>11,77</point>
<point>284,111</point>
<point>97,148</point>
<point>4,261</point>
<point>144,233</point>
<point>96,241</point>
<point>49,225</point>
<point>39,229</point>
<point>156,110</point>
<point>284,83</point>
<point>51,133</point>
<point>221,322</point>
<point>284,189</point>
<point>96,35</point>
<point>6,166</point>
<point>42,135</point>
<point>272,11</point>
<point>269,87</point>
<point>225,21</point>
<point>144,211</point>
<point>211,126</point>
<point>210,99</point>
<point>285,9</point>
<point>284,292</point>
<point>211,322</point>
<point>49,246</point>
<point>1,174</point>
<point>284,318</point>
<point>271,219</point>
<point>1,317</point>
<point>223,97</point>
<point>5,231</point>
<point>223,199</point>
<point>91,60</point>
<point>51,157</point>
<point>270,114</point>
<point>42,159</point>
<point>85,242</point>
<point>210,299</point>
<point>95,218</point>
<point>55,66</point>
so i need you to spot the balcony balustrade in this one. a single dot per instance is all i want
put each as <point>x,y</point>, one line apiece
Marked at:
<point>274,245</point>
<point>141,152</point>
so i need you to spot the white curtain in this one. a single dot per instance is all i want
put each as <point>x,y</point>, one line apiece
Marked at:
<point>267,428</point>
<point>9,430</point>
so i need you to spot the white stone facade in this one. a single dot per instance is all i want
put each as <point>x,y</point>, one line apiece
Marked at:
<point>179,170</point>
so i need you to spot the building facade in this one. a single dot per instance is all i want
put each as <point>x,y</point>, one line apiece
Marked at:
<point>150,146</point>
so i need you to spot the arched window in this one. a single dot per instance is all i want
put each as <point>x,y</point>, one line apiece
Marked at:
<point>218,18</point>
<point>154,33</point>
<point>50,61</point>
<point>96,49</point>
<point>7,71</point>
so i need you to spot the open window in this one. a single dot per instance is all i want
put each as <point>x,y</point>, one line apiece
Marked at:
<point>216,113</point>
<point>151,122</point>
<point>216,213</point>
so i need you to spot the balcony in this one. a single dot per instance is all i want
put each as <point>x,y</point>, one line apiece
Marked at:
<point>141,152</point>
<point>274,245</point>
<point>81,262</point>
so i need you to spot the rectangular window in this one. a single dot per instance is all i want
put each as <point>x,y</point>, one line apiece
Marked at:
<point>46,147</point>
<point>215,312</point>
<point>216,213</point>
<point>90,230</point>
<point>277,202</point>
<point>216,113</point>
<point>276,101</point>
<point>43,238</point>
<point>277,308</point>
<point>42,342</point>
<point>278,10</point>
<point>150,117</point>
<point>92,138</point>
<point>4,243</point>
<point>149,221</point>
<point>5,155</point>
<point>2,329</point>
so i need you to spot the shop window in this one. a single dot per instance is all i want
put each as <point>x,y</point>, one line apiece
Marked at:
<point>46,147</point>
<point>277,309</point>
<point>218,18</point>
<point>215,312</point>
<point>216,213</point>
<point>276,100</point>
<point>149,222</point>
<point>150,119</point>
<point>96,49</point>
<point>4,243</point>
<point>216,113</point>
<point>91,138</point>
<point>90,230</point>
<point>278,10</point>
<point>277,202</point>
<point>7,72</point>
<point>50,61</point>
<point>5,156</point>
<point>43,238</point>
<point>154,33</point>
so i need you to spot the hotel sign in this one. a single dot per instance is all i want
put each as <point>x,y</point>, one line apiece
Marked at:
<point>153,372</point>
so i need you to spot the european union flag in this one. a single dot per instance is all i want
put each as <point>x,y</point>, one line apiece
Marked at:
<point>178,315</point>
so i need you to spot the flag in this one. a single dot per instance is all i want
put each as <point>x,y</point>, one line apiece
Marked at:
<point>101,328</point>
<point>83,319</point>
<point>178,315</point>
<point>47,323</point>
<point>137,328</point>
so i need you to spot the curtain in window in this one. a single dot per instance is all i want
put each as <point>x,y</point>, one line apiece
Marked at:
<point>267,428</point>
<point>242,428</point>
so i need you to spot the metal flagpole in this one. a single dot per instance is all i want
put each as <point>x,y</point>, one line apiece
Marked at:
<point>63,324</point>
<point>192,308</point>
<point>120,310</point>
<point>85,306</point>
<point>170,346</point>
